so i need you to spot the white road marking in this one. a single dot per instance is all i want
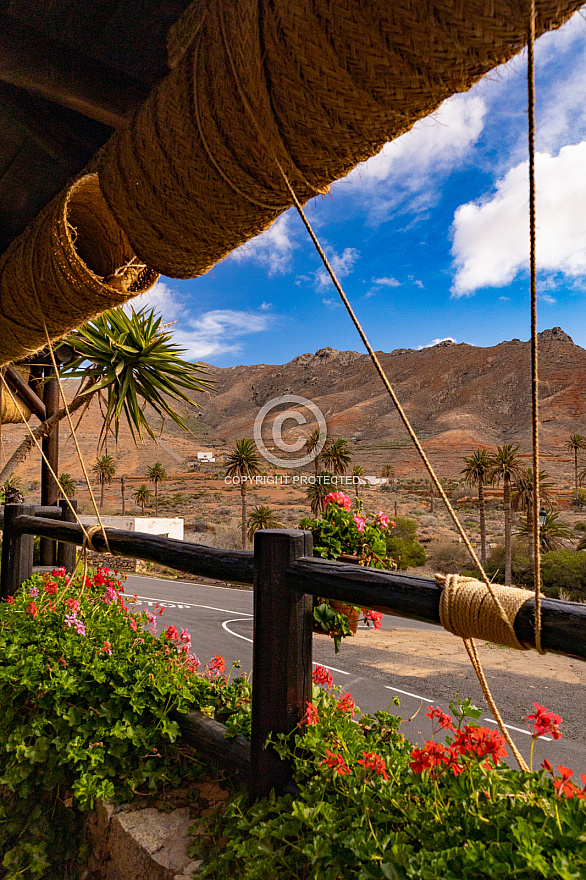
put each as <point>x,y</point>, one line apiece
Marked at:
<point>518,729</point>
<point>231,631</point>
<point>246,639</point>
<point>331,668</point>
<point>408,694</point>
<point>197,584</point>
<point>165,604</point>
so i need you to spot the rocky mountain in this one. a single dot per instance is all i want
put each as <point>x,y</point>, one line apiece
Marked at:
<point>456,395</point>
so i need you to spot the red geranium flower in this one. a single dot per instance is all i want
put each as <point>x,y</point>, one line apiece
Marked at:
<point>321,675</point>
<point>336,762</point>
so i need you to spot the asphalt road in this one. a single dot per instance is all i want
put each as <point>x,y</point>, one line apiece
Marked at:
<point>220,622</point>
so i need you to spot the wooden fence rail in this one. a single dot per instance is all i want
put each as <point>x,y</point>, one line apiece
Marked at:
<point>286,577</point>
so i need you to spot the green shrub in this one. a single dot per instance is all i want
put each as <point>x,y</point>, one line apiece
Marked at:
<point>88,710</point>
<point>370,807</point>
<point>565,571</point>
<point>405,528</point>
<point>405,553</point>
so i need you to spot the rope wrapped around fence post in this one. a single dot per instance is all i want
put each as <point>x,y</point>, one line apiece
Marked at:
<point>468,610</point>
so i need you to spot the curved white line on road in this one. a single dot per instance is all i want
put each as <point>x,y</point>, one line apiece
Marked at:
<point>231,631</point>
<point>170,604</point>
<point>246,639</point>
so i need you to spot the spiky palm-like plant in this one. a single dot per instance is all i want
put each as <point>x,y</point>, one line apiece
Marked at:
<point>475,473</point>
<point>142,495</point>
<point>388,471</point>
<point>505,465</point>
<point>336,456</point>
<point>316,492</point>
<point>105,471</point>
<point>574,443</point>
<point>316,440</point>
<point>522,498</point>
<point>243,462</point>
<point>67,485</point>
<point>157,474</point>
<point>552,533</point>
<point>132,366</point>
<point>262,517</point>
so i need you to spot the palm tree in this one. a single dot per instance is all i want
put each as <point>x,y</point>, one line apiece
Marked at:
<point>574,443</point>
<point>476,474</point>
<point>552,533</point>
<point>315,438</point>
<point>357,471</point>
<point>157,474</point>
<point>105,470</point>
<point>243,462</point>
<point>129,363</point>
<point>388,471</point>
<point>142,495</point>
<point>505,465</point>
<point>67,485</point>
<point>317,491</point>
<point>336,456</point>
<point>522,498</point>
<point>262,517</point>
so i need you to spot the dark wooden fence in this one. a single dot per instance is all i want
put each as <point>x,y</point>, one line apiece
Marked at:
<point>286,577</point>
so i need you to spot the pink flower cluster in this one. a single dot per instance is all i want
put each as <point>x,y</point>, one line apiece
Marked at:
<point>73,620</point>
<point>360,522</point>
<point>182,640</point>
<point>339,498</point>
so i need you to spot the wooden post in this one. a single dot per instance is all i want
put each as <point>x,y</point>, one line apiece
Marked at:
<point>67,553</point>
<point>17,551</point>
<point>123,491</point>
<point>281,680</point>
<point>49,489</point>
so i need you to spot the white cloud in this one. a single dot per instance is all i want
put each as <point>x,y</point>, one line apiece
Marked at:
<point>211,333</point>
<point>491,237</point>
<point>436,342</point>
<point>546,298</point>
<point>342,264</point>
<point>404,173</point>
<point>387,282</point>
<point>272,248</point>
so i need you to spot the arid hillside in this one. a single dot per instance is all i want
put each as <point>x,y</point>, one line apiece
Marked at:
<point>457,396</point>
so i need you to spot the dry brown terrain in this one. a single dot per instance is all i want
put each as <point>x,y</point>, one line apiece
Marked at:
<point>457,396</point>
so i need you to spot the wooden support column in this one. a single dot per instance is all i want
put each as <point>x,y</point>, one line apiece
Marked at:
<point>123,492</point>
<point>281,675</point>
<point>49,489</point>
<point>17,551</point>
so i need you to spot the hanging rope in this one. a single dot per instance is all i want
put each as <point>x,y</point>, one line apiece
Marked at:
<point>535,536</point>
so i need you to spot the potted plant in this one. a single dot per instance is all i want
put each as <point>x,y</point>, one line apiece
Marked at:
<point>346,534</point>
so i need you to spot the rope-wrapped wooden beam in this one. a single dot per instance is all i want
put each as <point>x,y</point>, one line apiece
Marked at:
<point>72,263</point>
<point>312,87</point>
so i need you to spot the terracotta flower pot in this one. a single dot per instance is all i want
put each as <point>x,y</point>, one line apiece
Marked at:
<point>353,614</point>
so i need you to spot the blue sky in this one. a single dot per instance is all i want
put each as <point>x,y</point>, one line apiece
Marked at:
<point>429,238</point>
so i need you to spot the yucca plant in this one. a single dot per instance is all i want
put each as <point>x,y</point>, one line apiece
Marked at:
<point>133,366</point>
<point>142,495</point>
<point>262,517</point>
<point>243,462</point>
<point>67,485</point>
<point>105,470</point>
<point>157,474</point>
